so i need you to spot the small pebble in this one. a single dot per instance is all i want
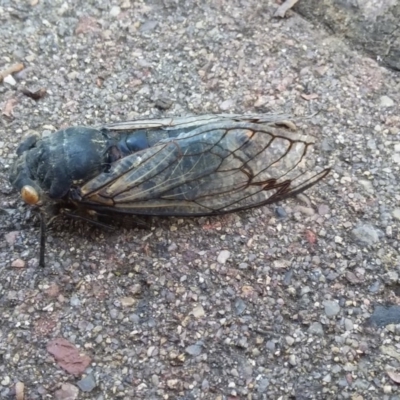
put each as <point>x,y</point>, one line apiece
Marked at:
<point>10,80</point>
<point>262,385</point>
<point>11,237</point>
<point>305,290</point>
<point>67,392</point>
<point>332,308</point>
<point>288,277</point>
<point>198,312</point>
<point>327,378</point>
<point>134,318</point>
<point>194,350</point>
<point>289,340</point>
<point>227,105</point>
<point>292,360</point>
<point>155,380</point>
<point>270,345</point>
<point>348,324</point>
<point>6,381</point>
<point>205,385</point>
<point>366,234</point>
<point>280,212</point>
<point>240,306</point>
<point>386,101</point>
<point>396,214</point>
<point>374,288</point>
<point>148,26</point>
<point>18,263</point>
<point>367,185</point>
<point>127,301</point>
<point>74,301</point>
<point>323,209</point>
<point>115,10</point>
<point>338,240</point>
<point>172,247</point>
<point>223,256</point>
<point>387,389</point>
<point>172,383</point>
<point>87,384</point>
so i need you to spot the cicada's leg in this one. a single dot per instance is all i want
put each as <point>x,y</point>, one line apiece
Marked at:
<point>43,227</point>
<point>76,215</point>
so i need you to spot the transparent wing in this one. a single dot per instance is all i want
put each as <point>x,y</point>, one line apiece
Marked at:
<point>215,168</point>
<point>176,123</point>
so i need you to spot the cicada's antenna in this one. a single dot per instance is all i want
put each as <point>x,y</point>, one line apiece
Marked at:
<point>42,239</point>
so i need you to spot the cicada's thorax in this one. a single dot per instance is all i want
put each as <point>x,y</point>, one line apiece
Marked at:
<point>48,167</point>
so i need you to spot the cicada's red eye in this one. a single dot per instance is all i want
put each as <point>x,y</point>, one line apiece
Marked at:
<point>30,195</point>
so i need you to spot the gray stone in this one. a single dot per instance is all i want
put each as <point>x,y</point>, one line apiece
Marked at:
<point>396,213</point>
<point>262,385</point>
<point>289,340</point>
<point>194,349</point>
<point>316,329</point>
<point>348,324</point>
<point>331,307</point>
<point>115,10</point>
<point>223,256</point>
<point>148,26</point>
<point>280,212</point>
<point>383,316</point>
<point>240,306</point>
<point>87,384</point>
<point>293,360</point>
<point>386,101</point>
<point>74,301</point>
<point>270,345</point>
<point>374,288</point>
<point>366,234</point>
<point>369,25</point>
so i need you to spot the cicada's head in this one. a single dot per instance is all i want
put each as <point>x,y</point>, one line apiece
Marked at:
<point>30,195</point>
<point>46,168</point>
<point>21,176</point>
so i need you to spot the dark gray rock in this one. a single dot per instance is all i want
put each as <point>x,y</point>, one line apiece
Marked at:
<point>383,316</point>
<point>369,25</point>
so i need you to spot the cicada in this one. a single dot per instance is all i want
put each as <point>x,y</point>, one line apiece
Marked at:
<point>183,166</point>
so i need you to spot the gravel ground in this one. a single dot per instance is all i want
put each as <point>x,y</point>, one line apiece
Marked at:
<point>273,303</point>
